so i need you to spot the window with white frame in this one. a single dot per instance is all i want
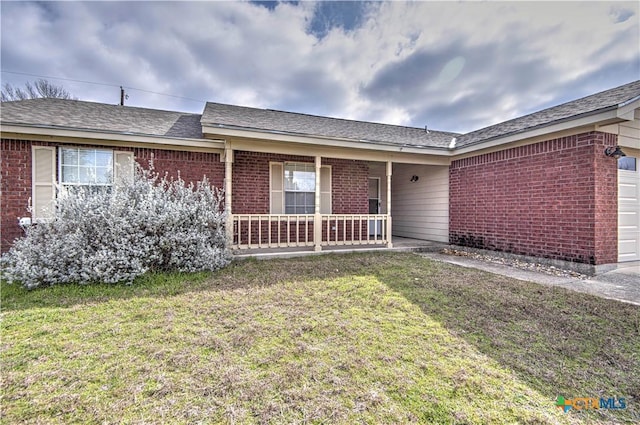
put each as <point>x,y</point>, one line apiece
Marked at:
<point>85,166</point>
<point>299,188</point>
<point>98,169</point>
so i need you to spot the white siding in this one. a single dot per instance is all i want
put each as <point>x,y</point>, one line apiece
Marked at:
<point>628,133</point>
<point>420,209</point>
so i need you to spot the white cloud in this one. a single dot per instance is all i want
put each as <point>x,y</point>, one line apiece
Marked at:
<point>454,66</point>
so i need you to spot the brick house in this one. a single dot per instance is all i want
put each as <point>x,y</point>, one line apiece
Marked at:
<point>540,185</point>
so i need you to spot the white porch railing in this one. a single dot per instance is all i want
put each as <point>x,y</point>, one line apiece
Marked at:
<point>251,231</point>
<point>349,229</point>
<point>271,231</point>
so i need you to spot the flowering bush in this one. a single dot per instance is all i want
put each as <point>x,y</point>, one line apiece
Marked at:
<point>151,223</point>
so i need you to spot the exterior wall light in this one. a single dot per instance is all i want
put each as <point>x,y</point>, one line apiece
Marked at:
<point>414,178</point>
<point>614,152</point>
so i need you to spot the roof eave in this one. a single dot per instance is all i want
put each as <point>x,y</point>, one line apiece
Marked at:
<point>283,136</point>
<point>48,131</point>
<point>609,114</point>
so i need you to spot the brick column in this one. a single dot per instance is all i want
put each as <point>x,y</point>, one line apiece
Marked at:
<point>605,170</point>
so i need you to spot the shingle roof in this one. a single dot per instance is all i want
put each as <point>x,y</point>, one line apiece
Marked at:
<point>101,117</point>
<point>217,114</point>
<point>595,103</point>
<point>130,120</point>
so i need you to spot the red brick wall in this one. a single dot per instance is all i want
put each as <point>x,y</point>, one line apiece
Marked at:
<point>15,171</point>
<point>349,186</point>
<point>553,199</point>
<point>191,166</point>
<point>250,184</point>
<point>15,188</point>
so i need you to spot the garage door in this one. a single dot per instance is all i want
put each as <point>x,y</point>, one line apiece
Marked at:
<point>628,209</point>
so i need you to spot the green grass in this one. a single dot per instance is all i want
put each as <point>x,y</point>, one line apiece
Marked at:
<point>375,338</point>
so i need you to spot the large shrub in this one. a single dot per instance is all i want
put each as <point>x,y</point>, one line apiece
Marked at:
<point>151,223</point>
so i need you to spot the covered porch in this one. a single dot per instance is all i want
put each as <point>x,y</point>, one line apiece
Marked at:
<point>287,203</point>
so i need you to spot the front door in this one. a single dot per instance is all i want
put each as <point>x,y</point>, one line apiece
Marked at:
<point>375,226</point>
<point>374,195</point>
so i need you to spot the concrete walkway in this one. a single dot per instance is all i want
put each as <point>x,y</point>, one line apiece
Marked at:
<point>621,284</point>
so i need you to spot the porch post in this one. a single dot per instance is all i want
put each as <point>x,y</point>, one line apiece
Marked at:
<point>317,218</point>
<point>228,174</point>
<point>389,168</point>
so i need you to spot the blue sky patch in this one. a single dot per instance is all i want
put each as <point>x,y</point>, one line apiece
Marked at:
<point>347,15</point>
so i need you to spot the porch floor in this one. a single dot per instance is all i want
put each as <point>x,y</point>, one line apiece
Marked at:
<point>399,244</point>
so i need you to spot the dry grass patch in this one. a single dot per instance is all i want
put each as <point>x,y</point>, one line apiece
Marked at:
<point>376,338</point>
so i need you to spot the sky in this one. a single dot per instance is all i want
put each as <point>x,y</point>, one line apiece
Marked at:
<point>451,66</point>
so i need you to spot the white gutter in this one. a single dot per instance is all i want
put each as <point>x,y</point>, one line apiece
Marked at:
<point>626,110</point>
<point>630,101</point>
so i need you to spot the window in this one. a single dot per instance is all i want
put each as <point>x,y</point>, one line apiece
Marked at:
<point>299,187</point>
<point>292,188</point>
<point>85,167</point>
<point>98,169</point>
<point>627,163</point>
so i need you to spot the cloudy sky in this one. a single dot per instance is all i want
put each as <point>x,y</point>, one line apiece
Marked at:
<point>455,66</point>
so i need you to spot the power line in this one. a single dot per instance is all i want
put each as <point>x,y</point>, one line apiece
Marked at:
<point>103,84</point>
<point>59,78</point>
<point>166,94</point>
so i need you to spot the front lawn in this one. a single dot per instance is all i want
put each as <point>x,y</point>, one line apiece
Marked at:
<point>364,338</point>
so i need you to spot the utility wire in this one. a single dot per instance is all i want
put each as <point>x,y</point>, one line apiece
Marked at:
<point>59,78</point>
<point>103,84</point>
